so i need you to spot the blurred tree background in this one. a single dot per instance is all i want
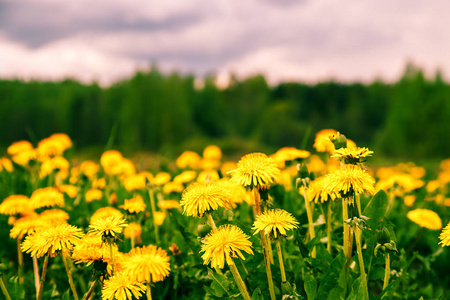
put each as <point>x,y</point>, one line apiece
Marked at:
<point>156,112</point>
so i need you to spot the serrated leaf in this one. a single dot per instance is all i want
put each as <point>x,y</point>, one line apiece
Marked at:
<point>310,287</point>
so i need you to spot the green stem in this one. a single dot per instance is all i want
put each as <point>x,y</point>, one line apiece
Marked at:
<point>149,291</point>
<point>36,274</point>
<point>44,272</point>
<point>309,213</point>
<point>152,203</point>
<point>346,228</point>
<point>280,259</point>
<point>238,279</point>
<point>264,245</point>
<point>20,260</point>
<point>358,233</point>
<point>4,290</point>
<point>358,204</point>
<point>69,274</point>
<point>329,227</point>
<point>91,290</point>
<point>211,221</point>
<point>111,257</point>
<point>387,271</point>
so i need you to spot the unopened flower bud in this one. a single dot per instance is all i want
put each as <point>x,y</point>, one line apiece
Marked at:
<point>383,236</point>
<point>302,171</point>
<point>339,141</point>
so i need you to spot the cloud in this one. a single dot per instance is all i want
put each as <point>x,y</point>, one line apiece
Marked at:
<point>286,40</point>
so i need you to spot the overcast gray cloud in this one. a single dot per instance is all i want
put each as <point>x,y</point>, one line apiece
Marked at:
<point>106,40</point>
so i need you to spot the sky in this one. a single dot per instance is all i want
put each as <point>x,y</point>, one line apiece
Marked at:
<point>285,40</point>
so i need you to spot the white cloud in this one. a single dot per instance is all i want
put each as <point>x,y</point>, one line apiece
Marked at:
<point>293,40</point>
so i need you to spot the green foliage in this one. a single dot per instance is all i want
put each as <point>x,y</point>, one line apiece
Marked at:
<point>160,112</point>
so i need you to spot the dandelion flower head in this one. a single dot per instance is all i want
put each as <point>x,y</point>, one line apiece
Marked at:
<point>105,212</point>
<point>199,198</point>
<point>14,205</point>
<point>46,197</point>
<point>147,264</point>
<point>352,155</point>
<point>275,222</point>
<point>255,170</point>
<point>109,227</point>
<point>121,287</point>
<point>348,181</point>
<point>425,218</point>
<point>134,205</point>
<point>445,236</point>
<point>51,240</point>
<point>224,243</point>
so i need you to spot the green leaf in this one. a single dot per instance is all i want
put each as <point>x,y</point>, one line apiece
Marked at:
<point>257,295</point>
<point>310,287</point>
<point>19,292</point>
<point>220,283</point>
<point>376,209</point>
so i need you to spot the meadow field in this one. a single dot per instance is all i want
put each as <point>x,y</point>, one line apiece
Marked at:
<point>292,224</point>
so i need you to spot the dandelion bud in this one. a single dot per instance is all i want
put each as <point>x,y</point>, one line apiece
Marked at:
<point>383,236</point>
<point>339,141</point>
<point>302,171</point>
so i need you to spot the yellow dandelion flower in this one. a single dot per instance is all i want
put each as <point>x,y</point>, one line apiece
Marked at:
<point>93,194</point>
<point>409,200</point>
<point>69,190</point>
<point>14,205</point>
<point>58,164</point>
<point>121,287</point>
<point>169,204</point>
<point>6,164</point>
<point>322,141</point>
<point>46,197</point>
<point>51,240</point>
<point>425,218</point>
<point>49,147</point>
<point>237,192</point>
<point>445,236</point>
<point>18,147</point>
<point>160,216</point>
<point>99,183</point>
<point>185,177</point>
<point>23,158</point>
<point>432,186</point>
<point>352,155</point>
<point>275,222</point>
<point>91,249</point>
<point>199,198</point>
<point>137,181</point>
<point>27,225</point>
<point>147,264</point>
<point>134,205</point>
<point>105,212</point>
<point>289,154</point>
<point>127,167</point>
<point>54,216</point>
<point>209,164</point>
<point>208,175</point>
<point>161,178</point>
<point>111,162</point>
<point>255,170</point>
<point>212,152</point>
<point>109,227</point>
<point>224,243</point>
<point>348,181</point>
<point>318,193</point>
<point>173,187</point>
<point>89,168</point>
<point>63,139</point>
<point>188,159</point>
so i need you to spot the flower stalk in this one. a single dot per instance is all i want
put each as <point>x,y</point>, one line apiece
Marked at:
<point>387,271</point>
<point>256,199</point>
<point>90,291</point>
<point>44,273</point>
<point>69,274</point>
<point>358,233</point>
<point>280,259</point>
<point>36,274</point>
<point>149,291</point>
<point>309,213</point>
<point>152,204</point>
<point>237,277</point>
